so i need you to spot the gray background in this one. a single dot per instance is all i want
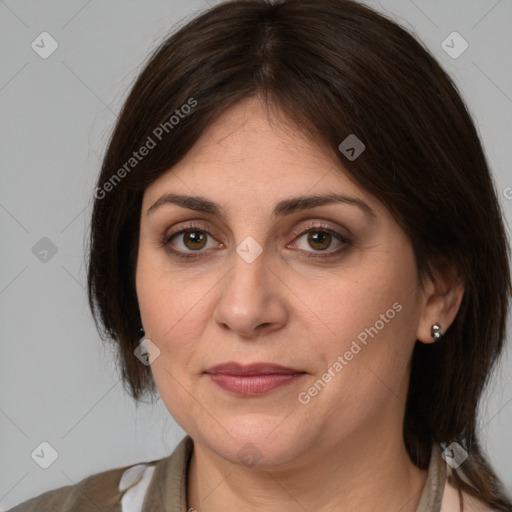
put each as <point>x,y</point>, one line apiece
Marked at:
<point>58,383</point>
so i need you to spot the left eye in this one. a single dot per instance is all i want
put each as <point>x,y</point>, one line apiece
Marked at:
<point>320,240</point>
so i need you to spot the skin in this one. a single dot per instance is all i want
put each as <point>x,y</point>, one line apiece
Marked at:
<point>343,450</point>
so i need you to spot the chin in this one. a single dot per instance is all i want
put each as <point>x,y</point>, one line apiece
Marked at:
<point>257,441</point>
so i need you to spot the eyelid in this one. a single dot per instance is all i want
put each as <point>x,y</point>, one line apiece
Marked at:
<point>321,225</point>
<point>188,226</point>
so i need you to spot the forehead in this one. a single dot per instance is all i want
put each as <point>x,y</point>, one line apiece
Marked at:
<point>250,133</point>
<point>250,156</point>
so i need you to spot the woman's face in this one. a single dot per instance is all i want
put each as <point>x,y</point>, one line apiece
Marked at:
<point>238,264</point>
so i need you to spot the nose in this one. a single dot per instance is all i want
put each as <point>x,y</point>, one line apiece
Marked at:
<point>251,302</point>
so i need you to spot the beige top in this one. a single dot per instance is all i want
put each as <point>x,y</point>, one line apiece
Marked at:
<point>161,486</point>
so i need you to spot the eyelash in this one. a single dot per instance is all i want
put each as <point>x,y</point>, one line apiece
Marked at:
<point>165,242</point>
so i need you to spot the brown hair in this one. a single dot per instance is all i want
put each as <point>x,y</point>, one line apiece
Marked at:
<point>336,68</point>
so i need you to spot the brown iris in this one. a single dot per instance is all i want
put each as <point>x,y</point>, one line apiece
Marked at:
<point>320,240</point>
<point>194,239</point>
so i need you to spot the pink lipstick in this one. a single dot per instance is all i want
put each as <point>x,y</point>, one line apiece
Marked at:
<point>253,379</point>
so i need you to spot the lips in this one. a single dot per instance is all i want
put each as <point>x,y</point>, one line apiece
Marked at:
<point>254,379</point>
<point>232,368</point>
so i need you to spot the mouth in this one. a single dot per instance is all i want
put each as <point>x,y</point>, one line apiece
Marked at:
<point>254,379</point>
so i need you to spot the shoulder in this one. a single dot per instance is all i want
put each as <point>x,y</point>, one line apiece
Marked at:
<point>101,491</point>
<point>156,485</point>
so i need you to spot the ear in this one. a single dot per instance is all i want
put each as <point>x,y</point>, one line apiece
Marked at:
<point>443,293</point>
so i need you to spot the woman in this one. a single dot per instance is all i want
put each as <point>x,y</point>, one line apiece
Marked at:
<point>296,213</point>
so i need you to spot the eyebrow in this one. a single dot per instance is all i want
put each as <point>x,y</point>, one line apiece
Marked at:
<point>282,208</point>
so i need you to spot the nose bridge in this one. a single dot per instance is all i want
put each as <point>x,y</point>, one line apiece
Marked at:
<point>250,295</point>
<point>247,282</point>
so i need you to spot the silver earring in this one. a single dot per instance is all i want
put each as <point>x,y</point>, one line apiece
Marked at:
<point>436,332</point>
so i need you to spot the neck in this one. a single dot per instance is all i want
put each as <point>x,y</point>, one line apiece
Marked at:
<point>365,473</point>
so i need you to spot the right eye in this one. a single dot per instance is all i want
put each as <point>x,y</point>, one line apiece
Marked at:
<point>190,240</point>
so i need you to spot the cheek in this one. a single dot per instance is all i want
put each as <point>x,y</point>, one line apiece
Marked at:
<point>169,301</point>
<point>171,311</point>
<point>374,313</point>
